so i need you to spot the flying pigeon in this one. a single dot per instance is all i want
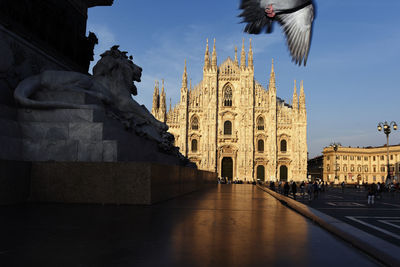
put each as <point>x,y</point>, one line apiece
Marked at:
<point>295,16</point>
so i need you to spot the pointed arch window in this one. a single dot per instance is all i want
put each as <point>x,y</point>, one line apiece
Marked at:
<point>228,96</point>
<point>260,123</point>
<point>227,128</point>
<point>260,145</point>
<point>283,146</point>
<point>195,123</point>
<point>194,145</point>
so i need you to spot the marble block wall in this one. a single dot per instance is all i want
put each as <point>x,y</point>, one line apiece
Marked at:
<point>114,182</point>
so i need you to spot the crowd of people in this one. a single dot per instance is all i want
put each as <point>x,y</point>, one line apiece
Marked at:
<point>311,190</point>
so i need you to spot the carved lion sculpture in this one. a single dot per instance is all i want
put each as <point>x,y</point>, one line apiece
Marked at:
<point>112,82</point>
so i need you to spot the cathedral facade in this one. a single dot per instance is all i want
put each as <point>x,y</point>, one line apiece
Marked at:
<point>230,124</point>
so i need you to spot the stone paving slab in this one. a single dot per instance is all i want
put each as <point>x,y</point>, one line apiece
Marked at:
<point>372,245</point>
<point>226,225</point>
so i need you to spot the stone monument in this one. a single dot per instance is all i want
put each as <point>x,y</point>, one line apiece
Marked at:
<point>67,136</point>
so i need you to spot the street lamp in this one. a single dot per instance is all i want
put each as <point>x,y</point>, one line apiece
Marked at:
<point>335,147</point>
<point>387,129</point>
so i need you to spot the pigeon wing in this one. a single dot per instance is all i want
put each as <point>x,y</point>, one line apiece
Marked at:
<point>298,30</point>
<point>255,17</point>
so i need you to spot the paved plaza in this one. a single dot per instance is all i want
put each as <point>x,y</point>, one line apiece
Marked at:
<point>382,219</point>
<point>237,225</point>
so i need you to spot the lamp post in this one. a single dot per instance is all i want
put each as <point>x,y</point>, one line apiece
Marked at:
<point>387,129</point>
<point>335,147</point>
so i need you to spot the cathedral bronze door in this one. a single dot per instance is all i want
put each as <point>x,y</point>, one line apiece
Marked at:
<point>260,173</point>
<point>227,168</point>
<point>283,171</point>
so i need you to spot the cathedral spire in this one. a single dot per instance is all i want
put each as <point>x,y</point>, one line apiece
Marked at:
<point>243,57</point>
<point>156,100</point>
<point>236,57</point>
<point>207,58</point>
<point>163,105</point>
<point>170,105</point>
<point>184,78</point>
<point>295,98</point>
<point>250,56</point>
<point>272,77</point>
<point>214,57</point>
<point>302,98</point>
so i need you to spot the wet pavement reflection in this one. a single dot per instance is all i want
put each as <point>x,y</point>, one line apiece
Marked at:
<point>237,225</point>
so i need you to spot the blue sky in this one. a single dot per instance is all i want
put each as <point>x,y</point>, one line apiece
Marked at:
<point>351,81</point>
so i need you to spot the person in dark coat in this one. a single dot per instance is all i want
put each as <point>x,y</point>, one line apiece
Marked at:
<point>294,190</point>
<point>286,189</point>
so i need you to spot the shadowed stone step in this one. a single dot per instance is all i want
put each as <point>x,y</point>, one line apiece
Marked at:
<point>62,130</point>
<point>61,115</point>
<point>45,150</point>
<point>69,150</point>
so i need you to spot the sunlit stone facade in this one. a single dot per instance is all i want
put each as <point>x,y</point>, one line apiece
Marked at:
<point>361,165</point>
<point>229,123</point>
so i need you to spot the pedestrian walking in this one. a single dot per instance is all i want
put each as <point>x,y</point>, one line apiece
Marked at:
<point>286,189</point>
<point>294,190</point>
<point>302,189</point>
<point>370,196</point>
<point>309,191</point>
<point>315,191</point>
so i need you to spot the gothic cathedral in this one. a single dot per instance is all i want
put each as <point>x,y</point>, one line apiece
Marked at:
<point>229,123</point>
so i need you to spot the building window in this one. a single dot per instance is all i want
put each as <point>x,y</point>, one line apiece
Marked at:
<point>194,145</point>
<point>345,157</point>
<point>328,158</point>
<point>338,168</point>
<point>351,157</point>
<point>383,179</point>
<point>358,157</point>
<point>228,96</point>
<point>283,146</point>
<point>382,168</point>
<point>337,157</point>
<point>365,158</point>
<point>352,168</point>
<point>195,123</point>
<point>373,158</point>
<point>374,168</point>
<point>260,124</point>
<point>374,178</point>
<point>382,157</point>
<point>366,168</point>
<point>391,157</point>
<point>359,168</point>
<point>260,146</point>
<point>345,168</point>
<point>328,168</point>
<point>227,128</point>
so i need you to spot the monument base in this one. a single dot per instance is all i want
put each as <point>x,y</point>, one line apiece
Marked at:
<point>114,182</point>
